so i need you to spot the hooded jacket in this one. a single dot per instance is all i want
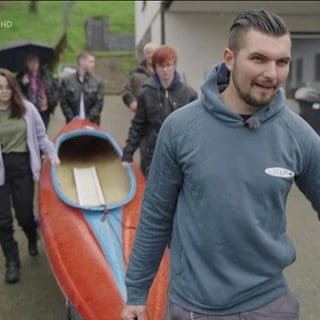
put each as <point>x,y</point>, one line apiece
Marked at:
<point>134,83</point>
<point>221,185</point>
<point>155,103</point>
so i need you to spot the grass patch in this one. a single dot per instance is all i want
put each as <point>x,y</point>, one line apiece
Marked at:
<point>129,58</point>
<point>45,26</point>
<point>53,17</point>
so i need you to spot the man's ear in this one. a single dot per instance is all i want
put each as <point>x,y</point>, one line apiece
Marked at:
<point>228,57</point>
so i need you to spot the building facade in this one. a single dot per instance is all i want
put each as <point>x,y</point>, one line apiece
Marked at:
<point>198,30</point>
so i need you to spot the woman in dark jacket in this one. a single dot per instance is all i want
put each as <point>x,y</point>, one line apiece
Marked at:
<point>161,94</point>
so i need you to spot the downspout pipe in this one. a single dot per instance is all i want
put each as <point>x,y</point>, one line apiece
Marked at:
<point>165,5</point>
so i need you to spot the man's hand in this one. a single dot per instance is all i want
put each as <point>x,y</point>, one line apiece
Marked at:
<point>133,106</point>
<point>25,80</point>
<point>55,162</point>
<point>125,164</point>
<point>130,312</point>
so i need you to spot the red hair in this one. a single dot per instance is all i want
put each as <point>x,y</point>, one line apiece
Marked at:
<point>162,55</point>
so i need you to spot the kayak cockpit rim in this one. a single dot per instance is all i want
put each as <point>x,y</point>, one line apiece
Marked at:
<point>94,140</point>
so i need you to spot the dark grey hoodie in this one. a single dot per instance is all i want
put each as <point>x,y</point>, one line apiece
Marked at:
<point>221,186</point>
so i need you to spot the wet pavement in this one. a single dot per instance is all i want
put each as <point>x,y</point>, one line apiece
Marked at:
<point>38,297</point>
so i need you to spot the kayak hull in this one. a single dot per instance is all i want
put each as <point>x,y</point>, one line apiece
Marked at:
<point>89,245</point>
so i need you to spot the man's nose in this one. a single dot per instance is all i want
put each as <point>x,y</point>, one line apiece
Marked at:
<point>270,70</point>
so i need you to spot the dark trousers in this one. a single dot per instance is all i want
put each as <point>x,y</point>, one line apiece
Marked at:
<point>17,192</point>
<point>45,115</point>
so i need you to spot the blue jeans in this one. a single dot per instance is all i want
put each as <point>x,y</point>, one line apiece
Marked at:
<point>284,308</point>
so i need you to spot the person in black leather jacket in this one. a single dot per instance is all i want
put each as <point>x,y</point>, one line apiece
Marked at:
<point>161,94</point>
<point>82,93</point>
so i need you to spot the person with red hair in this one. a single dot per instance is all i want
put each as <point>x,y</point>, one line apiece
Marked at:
<point>161,94</point>
<point>134,84</point>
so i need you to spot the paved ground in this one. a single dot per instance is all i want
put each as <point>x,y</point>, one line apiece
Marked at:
<point>38,297</point>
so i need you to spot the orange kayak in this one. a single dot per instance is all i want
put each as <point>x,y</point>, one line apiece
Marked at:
<point>88,213</point>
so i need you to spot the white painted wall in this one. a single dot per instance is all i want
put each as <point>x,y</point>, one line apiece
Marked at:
<point>156,30</point>
<point>308,57</point>
<point>297,23</point>
<point>200,38</point>
<point>150,15</point>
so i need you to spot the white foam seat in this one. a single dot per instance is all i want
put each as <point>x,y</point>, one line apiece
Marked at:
<point>88,187</point>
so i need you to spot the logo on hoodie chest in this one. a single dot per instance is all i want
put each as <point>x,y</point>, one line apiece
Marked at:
<point>279,172</point>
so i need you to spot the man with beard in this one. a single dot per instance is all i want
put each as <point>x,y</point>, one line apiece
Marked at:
<point>218,184</point>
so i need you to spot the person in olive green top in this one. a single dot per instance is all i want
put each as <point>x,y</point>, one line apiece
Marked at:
<point>23,140</point>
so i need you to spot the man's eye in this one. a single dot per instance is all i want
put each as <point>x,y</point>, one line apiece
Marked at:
<point>283,62</point>
<point>258,59</point>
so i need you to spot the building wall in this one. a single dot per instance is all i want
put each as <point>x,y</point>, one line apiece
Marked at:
<point>200,38</point>
<point>199,48</point>
<point>147,13</point>
<point>308,59</point>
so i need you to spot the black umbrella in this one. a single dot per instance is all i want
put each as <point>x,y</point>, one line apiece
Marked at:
<point>13,54</point>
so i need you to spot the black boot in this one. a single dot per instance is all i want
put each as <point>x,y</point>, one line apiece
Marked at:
<point>32,236</point>
<point>11,252</point>
<point>12,272</point>
<point>33,247</point>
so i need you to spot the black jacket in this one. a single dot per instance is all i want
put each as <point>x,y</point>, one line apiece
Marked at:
<point>70,92</point>
<point>134,83</point>
<point>154,105</point>
<point>51,87</point>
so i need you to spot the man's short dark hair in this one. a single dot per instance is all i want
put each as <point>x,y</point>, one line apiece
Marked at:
<point>264,21</point>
